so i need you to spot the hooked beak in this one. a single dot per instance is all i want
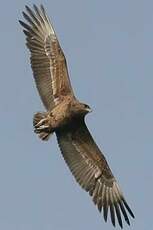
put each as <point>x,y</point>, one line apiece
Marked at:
<point>89,110</point>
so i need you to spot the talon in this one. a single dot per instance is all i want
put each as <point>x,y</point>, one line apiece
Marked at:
<point>42,127</point>
<point>41,122</point>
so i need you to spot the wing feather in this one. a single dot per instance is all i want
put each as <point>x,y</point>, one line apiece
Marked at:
<point>47,58</point>
<point>91,171</point>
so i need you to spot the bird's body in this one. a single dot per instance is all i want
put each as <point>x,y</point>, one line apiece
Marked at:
<point>65,116</point>
<point>66,112</point>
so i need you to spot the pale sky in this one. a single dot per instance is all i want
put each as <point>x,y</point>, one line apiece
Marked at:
<point>109,48</point>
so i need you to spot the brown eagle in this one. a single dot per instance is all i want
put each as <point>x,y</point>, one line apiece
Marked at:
<point>65,116</point>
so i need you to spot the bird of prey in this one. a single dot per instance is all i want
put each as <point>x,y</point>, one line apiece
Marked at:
<point>65,116</point>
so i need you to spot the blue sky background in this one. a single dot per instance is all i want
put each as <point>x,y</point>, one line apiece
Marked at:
<point>109,49</point>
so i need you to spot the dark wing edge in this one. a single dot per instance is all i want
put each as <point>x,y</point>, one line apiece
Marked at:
<point>91,171</point>
<point>47,58</point>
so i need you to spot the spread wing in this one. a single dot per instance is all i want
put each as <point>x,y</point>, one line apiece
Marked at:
<point>47,58</point>
<point>91,171</point>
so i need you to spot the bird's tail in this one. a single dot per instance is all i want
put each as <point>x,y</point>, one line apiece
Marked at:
<point>42,126</point>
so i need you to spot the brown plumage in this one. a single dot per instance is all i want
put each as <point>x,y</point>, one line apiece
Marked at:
<point>65,116</point>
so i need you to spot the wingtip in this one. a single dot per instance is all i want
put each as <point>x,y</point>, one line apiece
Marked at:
<point>128,208</point>
<point>23,13</point>
<point>127,221</point>
<point>29,10</point>
<point>42,7</point>
<point>27,7</point>
<point>105,218</point>
<point>21,22</point>
<point>35,7</point>
<point>121,224</point>
<point>113,224</point>
<point>133,216</point>
<point>105,214</point>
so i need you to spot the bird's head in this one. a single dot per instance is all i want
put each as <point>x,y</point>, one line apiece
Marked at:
<point>80,109</point>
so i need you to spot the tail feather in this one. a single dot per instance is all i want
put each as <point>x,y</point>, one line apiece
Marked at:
<point>42,126</point>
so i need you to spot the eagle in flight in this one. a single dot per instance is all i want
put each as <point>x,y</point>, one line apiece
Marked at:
<point>65,115</point>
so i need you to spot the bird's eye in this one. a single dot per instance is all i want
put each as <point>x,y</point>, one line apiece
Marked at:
<point>86,106</point>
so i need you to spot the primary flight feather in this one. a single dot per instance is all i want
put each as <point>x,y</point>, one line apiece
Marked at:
<point>65,116</point>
